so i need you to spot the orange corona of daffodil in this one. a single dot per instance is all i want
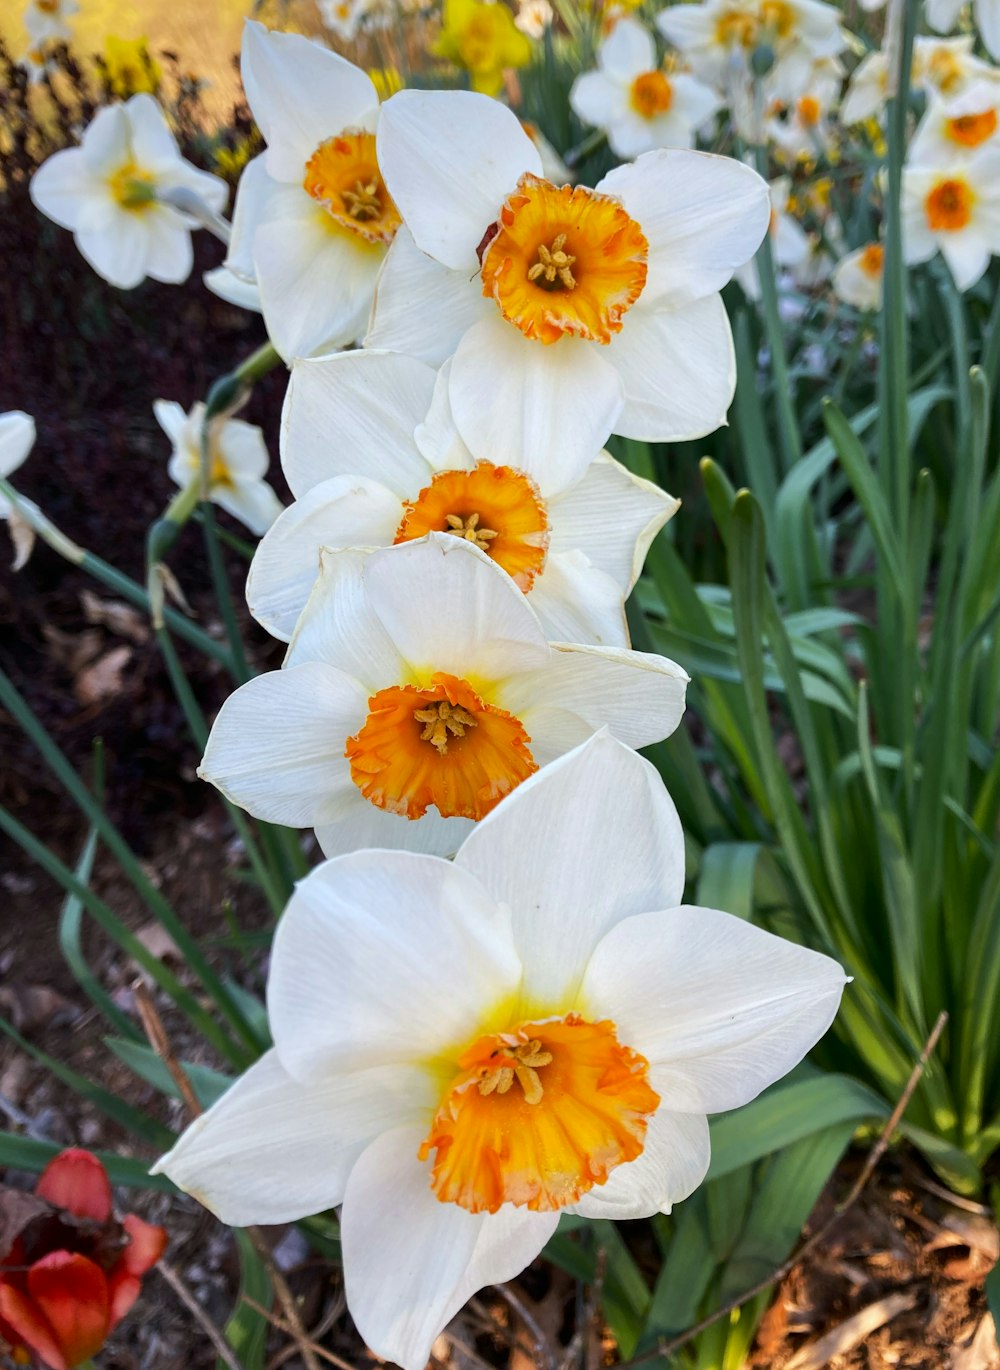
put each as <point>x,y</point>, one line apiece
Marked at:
<point>482,39</point>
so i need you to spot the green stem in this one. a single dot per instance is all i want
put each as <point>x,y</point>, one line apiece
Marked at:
<point>788,426</point>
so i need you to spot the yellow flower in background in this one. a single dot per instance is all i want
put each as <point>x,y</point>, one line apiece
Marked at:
<point>386,80</point>
<point>131,68</point>
<point>230,161</point>
<point>483,39</point>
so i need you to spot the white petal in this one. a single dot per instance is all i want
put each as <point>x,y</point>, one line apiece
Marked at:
<point>594,838</point>
<point>612,516</point>
<point>639,696</point>
<point>277,745</point>
<point>447,607</point>
<point>61,185</point>
<point>421,307</point>
<point>316,282</point>
<point>341,512</point>
<point>410,1261</point>
<point>273,1149</point>
<point>300,93</point>
<point>510,396</point>
<point>987,14</point>
<point>598,100</point>
<point>361,824</point>
<point>438,439</point>
<point>340,627</point>
<point>154,146</point>
<point>628,51</point>
<point>576,602</point>
<point>106,143</point>
<point>673,1163</point>
<point>119,251</point>
<point>718,1007</point>
<point>967,256</point>
<point>17,437</point>
<point>449,160</point>
<point>253,502</point>
<point>169,254</point>
<point>252,194</point>
<point>232,288</point>
<point>385,957</point>
<point>172,419</point>
<point>243,449</point>
<point>703,216</point>
<point>354,414</point>
<point>678,371</point>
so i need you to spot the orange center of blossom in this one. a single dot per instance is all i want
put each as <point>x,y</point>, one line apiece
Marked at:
<point>949,206</point>
<point>343,176</point>
<point>496,507</point>
<point>441,744</point>
<point>564,260</point>
<point>972,129</point>
<point>651,94</point>
<point>538,1116</point>
<point>872,260</point>
<point>809,110</point>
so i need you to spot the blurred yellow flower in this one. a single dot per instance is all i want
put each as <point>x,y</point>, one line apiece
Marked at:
<point>230,161</point>
<point>481,38</point>
<point>386,80</point>
<point>130,67</point>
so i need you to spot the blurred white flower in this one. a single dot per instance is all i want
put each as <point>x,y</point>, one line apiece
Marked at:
<point>343,17</point>
<point>418,690</point>
<point>370,450</point>
<point>534,17</point>
<point>634,100</point>
<point>857,278</point>
<point>955,209</point>
<point>238,462</point>
<point>790,245</point>
<point>465,1050</point>
<point>48,20</point>
<point>943,15</point>
<point>953,129</point>
<point>107,192</point>
<point>17,437</point>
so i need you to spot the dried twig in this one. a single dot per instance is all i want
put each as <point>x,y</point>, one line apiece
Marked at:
<point>283,1326</point>
<point>590,1315</point>
<point>541,1348</point>
<point>192,1305</point>
<point>161,1044</point>
<point>667,1348</point>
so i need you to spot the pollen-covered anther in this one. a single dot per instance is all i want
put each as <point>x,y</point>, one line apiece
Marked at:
<point>442,719</point>
<point>469,529</point>
<point>554,264</point>
<point>520,1063</point>
<point>363,202</point>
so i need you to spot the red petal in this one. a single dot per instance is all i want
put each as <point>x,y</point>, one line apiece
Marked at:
<point>30,1327</point>
<point>72,1292</point>
<point>123,1289</point>
<point>147,1244</point>
<point>76,1180</point>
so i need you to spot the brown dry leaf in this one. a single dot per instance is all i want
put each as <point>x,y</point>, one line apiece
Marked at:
<point>980,1352</point>
<point>158,942</point>
<point>30,1007</point>
<point>22,537</point>
<point>115,615</point>
<point>72,651</point>
<point>103,680</point>
<point>851,1333</point>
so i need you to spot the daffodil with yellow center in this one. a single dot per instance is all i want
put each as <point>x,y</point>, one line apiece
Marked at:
<point>480,36</point>
<point>464,1051</point>
<point>418,690</point>
<point>598,309</point>
<point>313,216</point>
<point>954,207</point>
<point>371,452</point>
<point>857,278</point>
<point>952,130</point>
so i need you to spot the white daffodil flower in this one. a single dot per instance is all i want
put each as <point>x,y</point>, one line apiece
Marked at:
<point>954,208</point>
<point>465,1050</point>
<point>857,278</point>
<point>631,97</point>
<point>373,457</point>
<point>235,281</point>
<point>320,219</point>
<point>571,313</point>
<point>719,37</point>
<point>343,17</point>
<point>47,21</point>
<point>107,192</point>
<point>790,245</point>
<point>953,129</point>
<point>418,690</point>
<point>943,15</point>
<point>238,460</point>
<point>17,437</point>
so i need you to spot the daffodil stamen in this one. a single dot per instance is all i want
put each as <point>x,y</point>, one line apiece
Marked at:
<point>343,176</point>
<point>554,264</point>
<point>441,719</point>
<point>468,528</point>
<point>520,1063</point>
<point>363,201</point>
<point>133,188</point>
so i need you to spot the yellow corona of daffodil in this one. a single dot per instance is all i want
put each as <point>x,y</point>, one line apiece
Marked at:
<point>482,39</point>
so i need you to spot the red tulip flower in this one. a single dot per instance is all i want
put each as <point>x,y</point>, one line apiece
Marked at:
<point>69,1270</point>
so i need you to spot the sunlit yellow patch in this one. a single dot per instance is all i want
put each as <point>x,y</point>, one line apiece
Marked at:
<point>971,130</point>
<point>133,188</point>
<point>440,745</point>
<point>343,176</point>
<point>949,206</point>
<point>539,1115</point>
<point>872,260</point>
<point>496,507</point>
<point>651,94</point>
<point>564,260</point>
